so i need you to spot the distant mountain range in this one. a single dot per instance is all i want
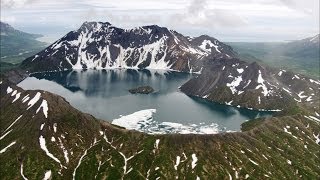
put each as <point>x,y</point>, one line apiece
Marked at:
<point>305,48</point>
<point>17,45</point>
<point>302,56</point>
<point>8,31</point>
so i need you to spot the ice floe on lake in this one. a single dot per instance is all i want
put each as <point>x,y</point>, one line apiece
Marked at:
<point>135,120</point>
<point>143,121</point>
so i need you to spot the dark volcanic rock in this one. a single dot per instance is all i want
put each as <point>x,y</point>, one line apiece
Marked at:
<point>141,90</point>
<point>101,45</point>
<point>238,83</point>
<point>15,76</point>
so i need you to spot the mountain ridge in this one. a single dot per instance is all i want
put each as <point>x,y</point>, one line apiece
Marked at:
<point>7,29</point>
<point>101,45</point>
<point>43,136</point>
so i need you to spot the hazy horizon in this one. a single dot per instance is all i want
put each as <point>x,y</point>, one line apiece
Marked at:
<point>226,20</point>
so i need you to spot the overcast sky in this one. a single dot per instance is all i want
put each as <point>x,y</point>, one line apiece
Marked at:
<point>227,20</point>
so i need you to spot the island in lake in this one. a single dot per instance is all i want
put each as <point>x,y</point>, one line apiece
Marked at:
<point>142,90</point>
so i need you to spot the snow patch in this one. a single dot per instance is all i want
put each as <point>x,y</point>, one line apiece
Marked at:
<point>280,72</point>
<point>207,43</point>
<point>253,162</point>
<point>34,100</point>
<point>287,90</point>
<point>286,130</point>
<point>194,161</point>
<point>3,136</point>
<point>21,172</point>
<point>55,127</point>
<point>5,149</point>
<point>17,97</point>
<point>13,123</point>
<point>229,103</point>
<point>47,175</point>
<point>314,118</point>
<point>25,98</point>
<point>235,83</point>
<point>35,57</point>
<point>205,96</point>
<point>44,106</point>
<point>262,85</point>
<point>240,70</point>
<point>156,145</point>
<point>295,77</point>
<point>309,99</point>
<point>9,90</point>
<point>65,152</point>
<point>301,96</point>
<point>314,81</point>
<point>177,162</point>
<point>42,125</point>
<point>317,138</point>
<point>14,93</point>
<point>42,142</point>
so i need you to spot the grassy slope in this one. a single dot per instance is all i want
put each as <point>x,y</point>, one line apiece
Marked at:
<point>4,66</point>
<point>263,149</point>
<point>17,45</point>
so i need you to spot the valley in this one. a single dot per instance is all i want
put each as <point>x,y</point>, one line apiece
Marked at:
<point>299,56</point>
<point>16,46</point>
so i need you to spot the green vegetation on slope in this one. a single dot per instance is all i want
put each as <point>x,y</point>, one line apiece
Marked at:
<point>17,45</point>
<point>4,66</point>
<point>281,55</point>
<point>284,147</point>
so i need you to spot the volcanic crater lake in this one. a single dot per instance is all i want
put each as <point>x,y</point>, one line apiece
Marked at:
<point>104,94</point>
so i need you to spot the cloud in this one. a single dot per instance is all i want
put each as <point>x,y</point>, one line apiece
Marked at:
<point>197,14</point>
<point>8,19</point>
<point>197,6</point>
<point>222,18</point>
<point>15,3</point>
<point>308,8</point>
<point>126,19</point>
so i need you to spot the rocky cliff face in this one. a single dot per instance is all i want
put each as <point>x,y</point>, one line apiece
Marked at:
<point>101,45</point>
<point>43,137</point>
<point>253,86</point>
